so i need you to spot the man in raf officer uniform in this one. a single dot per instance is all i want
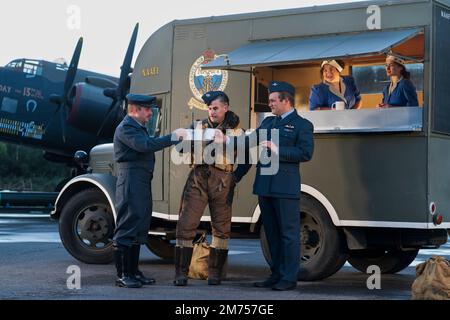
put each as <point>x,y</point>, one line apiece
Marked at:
<point>211,184</point>
<point>134,152</point>
<point>279,193</point>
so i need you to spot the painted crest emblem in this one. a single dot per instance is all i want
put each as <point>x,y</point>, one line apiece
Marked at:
<point>202,81</point>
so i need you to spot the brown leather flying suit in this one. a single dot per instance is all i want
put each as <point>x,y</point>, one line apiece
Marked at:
<point>211,185</point>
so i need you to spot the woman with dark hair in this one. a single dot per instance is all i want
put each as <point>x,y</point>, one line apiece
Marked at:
<point>401,92</point>
<point>334,88</point>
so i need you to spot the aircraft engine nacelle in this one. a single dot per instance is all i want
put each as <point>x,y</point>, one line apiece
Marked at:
<point>89,107</point>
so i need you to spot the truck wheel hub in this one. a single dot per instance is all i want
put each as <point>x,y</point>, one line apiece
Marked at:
<point>94,226</point>
<point>310,237</point>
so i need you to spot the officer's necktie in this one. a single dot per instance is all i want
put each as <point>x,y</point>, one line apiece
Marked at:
<point>276,121</point>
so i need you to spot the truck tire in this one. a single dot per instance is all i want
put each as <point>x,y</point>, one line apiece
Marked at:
<point>161,247</point>
<point>86,227</point>
<point>323,249</point>
<point>390,261</point>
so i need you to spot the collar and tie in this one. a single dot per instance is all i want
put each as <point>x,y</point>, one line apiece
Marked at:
<point>276,121</point>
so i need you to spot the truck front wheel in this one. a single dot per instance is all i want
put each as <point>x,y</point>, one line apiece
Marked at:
<point>323,247</point>
<point>86,227</point>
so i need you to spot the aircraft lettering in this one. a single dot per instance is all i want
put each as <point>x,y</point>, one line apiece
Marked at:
<point>32,93</point>
<point>33,131</point>
<point>9,127</point>
<point>24,129</point>
<point>5,89</point>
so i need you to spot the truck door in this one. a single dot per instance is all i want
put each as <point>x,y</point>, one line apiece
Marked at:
<point>156,128</point>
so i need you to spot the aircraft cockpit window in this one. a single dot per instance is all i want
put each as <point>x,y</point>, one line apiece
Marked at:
<point>32,67</point>
<point>17,64</point>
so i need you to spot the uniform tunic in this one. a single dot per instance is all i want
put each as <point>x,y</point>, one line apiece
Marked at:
<point>279,193</point>
<point>322,96</point>
<point>404,95</point>
<point>134,153</point>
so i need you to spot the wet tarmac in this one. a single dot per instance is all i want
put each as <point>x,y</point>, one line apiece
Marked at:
<point>32,256</point>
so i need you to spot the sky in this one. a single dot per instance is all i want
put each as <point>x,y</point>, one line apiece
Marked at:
<point>49,29</point>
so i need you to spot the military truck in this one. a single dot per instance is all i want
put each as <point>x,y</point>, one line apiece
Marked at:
<point>377,190</point>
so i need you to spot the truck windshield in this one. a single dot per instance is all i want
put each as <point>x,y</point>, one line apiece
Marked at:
<point>154,125</point>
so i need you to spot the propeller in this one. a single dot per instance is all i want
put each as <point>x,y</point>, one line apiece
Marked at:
<point>119,94</point>
<point>63,100</point>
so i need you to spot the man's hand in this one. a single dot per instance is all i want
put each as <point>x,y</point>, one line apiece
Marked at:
<point>384,105</point>
<point>270,145</point>
<point>219,137</point>
<point>179,134</point>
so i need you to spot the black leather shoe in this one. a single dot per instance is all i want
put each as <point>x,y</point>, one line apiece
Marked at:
<point>128,282</point>
<point>268,283</point>
<point>284,285</point>
<point>143,279</point>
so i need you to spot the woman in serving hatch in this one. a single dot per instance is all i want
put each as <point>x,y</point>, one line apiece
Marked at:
<point>334,88</point>
<point>401,92</point>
